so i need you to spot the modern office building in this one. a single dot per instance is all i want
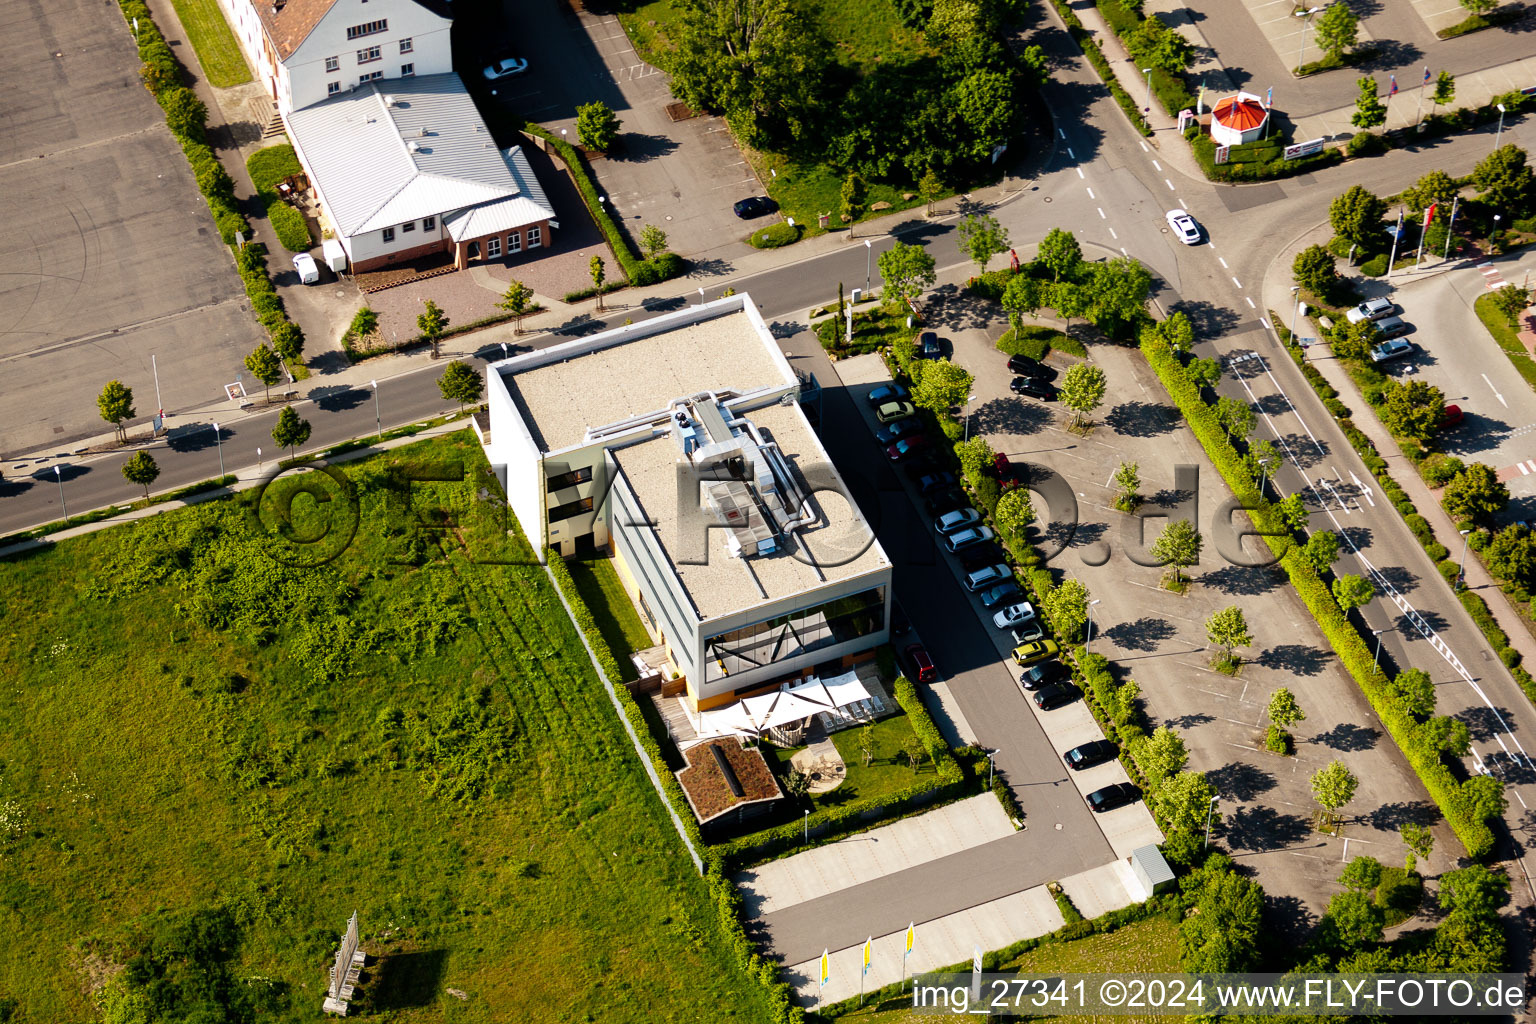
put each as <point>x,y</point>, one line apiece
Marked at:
<point>680,445</point>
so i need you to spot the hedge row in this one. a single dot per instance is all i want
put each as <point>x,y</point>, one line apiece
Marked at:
<point>1354,653</point>
<point>1242,163</point>
<point>721,890</point>
<point>267,167</point>
<point>1084,40</point>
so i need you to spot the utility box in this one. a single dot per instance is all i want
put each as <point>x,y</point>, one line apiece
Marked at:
<point>855,295</point>
<point>335,255</point>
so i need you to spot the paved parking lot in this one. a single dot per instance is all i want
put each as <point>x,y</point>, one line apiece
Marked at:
<point>681,176</point>
<point>107,252</point>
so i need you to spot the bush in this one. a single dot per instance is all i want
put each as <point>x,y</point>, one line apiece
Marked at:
<point>775,235</point>
<point>269,166</point>
<point>290,226</point>
<point>1438,469</point>
<point>1365,144</point>
<point>1375,266</point>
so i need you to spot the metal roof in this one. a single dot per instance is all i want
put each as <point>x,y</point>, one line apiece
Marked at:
<point>398,150</point>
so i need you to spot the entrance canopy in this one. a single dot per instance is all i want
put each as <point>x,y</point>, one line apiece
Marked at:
<point>756,715</point>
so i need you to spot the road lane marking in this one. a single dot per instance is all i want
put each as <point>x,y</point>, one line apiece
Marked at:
<point>1091,195</point>
<point>1495,391</point>
<point>1061,133</point>
<point>1364,491</point>
<point>1181,203</point>
<point>1070,153</point>
<point>1101,213</point>
<point>1169,184</point>
<point>1113,235</point>
<point>1250,303</point>
<point>1080,173</point>
<point>1144,148</point>
<point>1223,263</point>
<point>1157,165</point>
<point>1237,282</point>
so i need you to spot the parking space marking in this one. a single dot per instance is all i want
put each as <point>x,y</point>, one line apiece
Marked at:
<point>733,184</point>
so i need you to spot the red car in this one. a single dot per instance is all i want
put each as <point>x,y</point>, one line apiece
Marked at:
<point>1451,416</point>
<point>907,447</point>
<point>922,666</point>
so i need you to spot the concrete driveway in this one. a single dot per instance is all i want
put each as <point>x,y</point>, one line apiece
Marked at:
<point>681,176</point>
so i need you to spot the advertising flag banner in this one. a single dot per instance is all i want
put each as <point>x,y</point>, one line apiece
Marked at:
<point>868,949</point>
<point>1426,75</point>
<point>1429,214</point>
<point>1269,97</point>
<point>1392,90</point>
<point>911,939</point>
<point>825,970</point>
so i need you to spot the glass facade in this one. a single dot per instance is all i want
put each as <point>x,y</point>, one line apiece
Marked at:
<point>787,636</point>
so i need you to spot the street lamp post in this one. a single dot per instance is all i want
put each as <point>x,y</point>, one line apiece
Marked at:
<point>1461,574</point>
<point>1500,134</point>
<point>1306,24</point>
<point>1088,637</point>
<point>807,828</point>
<point>1209,808</point>
<point>967,410</point>
<point>1376,661</point>
<point>1295,311</point>
<point>218,440</point>
<point>991,755</point>
<point>59,476</point>
<point>869,255</point>
<point>1148,118</point>
<point>378,420</point>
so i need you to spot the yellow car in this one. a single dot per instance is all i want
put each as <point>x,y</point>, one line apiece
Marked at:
<point>1028,654</point>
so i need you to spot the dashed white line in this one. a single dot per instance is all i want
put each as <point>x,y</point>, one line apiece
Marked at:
<point>1061,133</point>
<point>1237,282</point>
<point>1080,173</point>
<point>1144,147</point>
<point>1169,184</point>
<point>1091,195</point>
<point>1123,252</point>
<point>1070,153</point>
<point>1113,235</point>
<point>1101,213</point>
<point>1223,263</point>
<point>1181,203</point>
<point>1157,165</point>
<point>1250,303</point>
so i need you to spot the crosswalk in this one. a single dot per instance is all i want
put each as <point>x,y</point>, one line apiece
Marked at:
<point>1519,469</point>
<point>1491,276</point>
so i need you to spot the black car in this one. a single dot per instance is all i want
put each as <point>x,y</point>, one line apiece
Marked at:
<point>936,482</point>
<point>988,554</point>
<point>940,502</point>
<point>928,346</point>
<point>1027,367</point>
<point>1042,673</point>
<point>900,624</point>
<point>754,206</point>
<point>907,426</point>
<point>1089,754</point>
<point>918,467</point>
<point>1033,388</point>
<point>1001,594</point>
<point>1110,797</point>
<point>1054,695</point>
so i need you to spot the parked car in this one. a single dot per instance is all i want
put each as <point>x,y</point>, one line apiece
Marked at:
<point>1027,632</point>
<point>1013,615</point>
<point>1028,654</point>
<point>890,412</point>
<point>753,206</point>
<point>893,432</point>
<point>940,502</point>
<point>980,557</point>
<point>928,346</point>
<point>907,448</point>
<point>988,576</point>
<point>1094,752</point>
<point>949,522</point>
<point>1110,797</point>
<point>900,624</point>
<point>505,68</point>
<point>920,664</point>
<point>1028,367</point>
<point>1392,326</point>
<point>1034,388</point>
<point>1370,309</point>
<point>1053,696</point>
<point>891,392</point>
<point>308,269</point>
<point>1183,227</point>
<point>1041,674</point>
<point>968,538</point>
<point>936,482</point>
<point>1389,350</point>
<point>1002,593</point>
<point>1450,416</point>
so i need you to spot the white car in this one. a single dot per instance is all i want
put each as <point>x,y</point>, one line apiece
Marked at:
<point>1014,615</point>
<point>949,522</point>
<point>1184,227</point>
<point>988,576</point>
<point>308,269</point>
<point>1371,309</point>
<point>506,68</point>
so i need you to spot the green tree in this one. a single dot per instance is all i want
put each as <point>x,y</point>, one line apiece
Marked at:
<point>1071,301</point>
<point>1292,511</point>
<point>1483,796</point>
<point>1504,181</point>
<point>1355,340</point>
<point>1082,391</point>
<point>1334,786</point>
<point>929,188</point>
<point>116,406</point>
<point>1336,30</point>
<point>913,749</point>
<point>1265,459</point>
<point>853,198</point>
<point>1474,494</point>
<point>1434,187</point>
<point>290,431</point>
<point>1178,332</point>
<point>185,114</point>
<point>1178,547</point>
<point>1228,629</point>
<point>599,271</point>
<point>432,322</point>
<point>140,468</point>
<point>1162,756</point>
<point>1183,803</point>
<point>365,322</point>
<point>1441,735</point>
<point>867,745</point>
<point>1315,270</point>
<point>1013,514</point>
<point>1479,6</point>
<point>1117,292</point>
<point>1205,372</point>
<point>943,385</point>
<point>981,238</point>
<point>266,367</point>
<point>288,340</point>
<point>1322,550</point>
<point>1023,296</point>
<point>906,270</point>
<point>1283,709</point>
<point>1353,919</point>
<point>1356,215</point>
<point>1060,253</point>
<point>1236,417</point>
<point>1416,690</point>
<point>1471,938</point>
<point>653,241</point>
<point>1156,45</point>
<point>1128,481</point>
<point>517,300</point>
<point>1445,89</point>
<point>984,113</point>
<point>1370,112</point>
<point>597,127</point>
<point>1223,935</point>
<point>1511,555</point>
<point>975,457</point>
<point>1352,591</point>
<point>1417,838</point>
<point>460,383</point>
<point>1066,605</point>
<point>1512,300</point>
<point>1413,409</point>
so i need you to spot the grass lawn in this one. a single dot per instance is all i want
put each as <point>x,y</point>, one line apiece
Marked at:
<point>210,35</point>
<point>1036,341</point>
<point>888,773</point>
<point>873,329</point>
<point>867,32</point>
<point>612,610</point>
<point>805,190</point>
<point>1493,319</point>
<point>192,730</point>
<point>647,25</point>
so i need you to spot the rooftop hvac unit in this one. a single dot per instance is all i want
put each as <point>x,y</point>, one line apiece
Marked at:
<point>415,147</point>
<point>389,101</point>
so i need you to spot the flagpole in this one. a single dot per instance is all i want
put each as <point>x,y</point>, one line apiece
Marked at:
<point>1393,258</point>
<point>1419,117</point>
<point>1450,228</point>
<point>1423,234</point>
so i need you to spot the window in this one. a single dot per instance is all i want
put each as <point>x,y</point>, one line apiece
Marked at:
<point>405,46</point>
<point>358,31</point>
<point>364,79</point>
<point>332,63</point>
<point>332,88</point>
<point>407,70</point>
<point>514,243</point>
<point>570,510</point>
<point>428,223</point>
<point>534,238</point>
<point>409,225</point>
<point>835,622</point>
<point>369,55</point>
<point>571,479</point>
<point>492,248</point>
<point>389,234</point>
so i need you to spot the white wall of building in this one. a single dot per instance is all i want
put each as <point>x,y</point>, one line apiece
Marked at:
<point>515,457</point>
<point>371,245</point>
<point>409,23</point>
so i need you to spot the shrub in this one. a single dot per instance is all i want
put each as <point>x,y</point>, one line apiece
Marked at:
<point>1439,469</point>
<point>775,235</point>
<point>290,226</point>
<point>1365,144</point>
<point>268,166</point>
<point>1375,266</point>
<point>667,266</point>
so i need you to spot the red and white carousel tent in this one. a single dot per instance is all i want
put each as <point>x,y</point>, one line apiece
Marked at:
<point>1238,118</point>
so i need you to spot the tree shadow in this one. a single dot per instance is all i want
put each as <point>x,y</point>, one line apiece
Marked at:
<point>1347,736</point>
<point>1410,632</point>
<point>952,308</point>
<point>1010,416</point>
<point>658,304</point>
<point>339,399</point>
<point>785,328</point>
<point>1302,451</point>
<point>402,980</point>
<point>915,231</point>
<point>1297,659</point>
<point>1249,581</point>
<point>1260,829</point>
<point>579,325</point>
<point>1145,634</point>
<point>190,437</point>
<point>1241,780</point>
<point>1289,916</point>
<point>1484,722</point>
<point>331,361</point>
<point>638,148</point>
<point>1390,817</point>
<point>1389,54</point>
<point>67,471</point>
<point>1208,319</point>
<point>1474,435</point>
<point>1189,721</point>
<point>12,485</point>
<point>1401,579</point>
<point>1142,419</point>
<point>1358,536</point>
<point>712,267</point>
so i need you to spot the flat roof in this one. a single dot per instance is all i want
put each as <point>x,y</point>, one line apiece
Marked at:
<point>559,401</point>
<point>837,545</point>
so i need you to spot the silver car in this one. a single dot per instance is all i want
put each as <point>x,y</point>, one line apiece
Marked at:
<point>1370,309</point>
